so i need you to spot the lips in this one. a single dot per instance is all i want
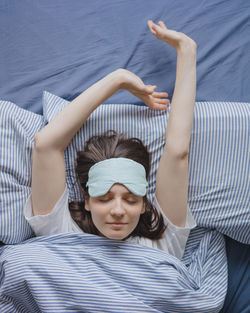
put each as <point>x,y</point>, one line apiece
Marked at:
<point>117,225</point>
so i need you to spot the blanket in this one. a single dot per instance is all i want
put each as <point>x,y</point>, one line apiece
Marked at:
<point>71,272</point>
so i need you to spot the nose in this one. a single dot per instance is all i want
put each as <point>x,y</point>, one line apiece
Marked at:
<point>117,208</point>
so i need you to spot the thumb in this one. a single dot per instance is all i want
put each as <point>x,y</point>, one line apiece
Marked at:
<point>150,88</point>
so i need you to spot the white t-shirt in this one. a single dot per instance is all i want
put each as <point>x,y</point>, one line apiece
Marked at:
<point>59,220</point>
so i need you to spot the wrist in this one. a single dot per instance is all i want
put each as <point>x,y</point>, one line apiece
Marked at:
<point>118,78</point>
<point>187,48</point>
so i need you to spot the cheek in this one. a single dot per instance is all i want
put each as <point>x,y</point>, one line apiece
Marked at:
<point>135,213</point>
<point>98,214</point>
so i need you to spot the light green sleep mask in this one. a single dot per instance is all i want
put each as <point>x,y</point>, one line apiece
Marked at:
<point>103,175</point>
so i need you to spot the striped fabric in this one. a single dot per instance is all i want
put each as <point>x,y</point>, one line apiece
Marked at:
<point>17,129</point>
<point>219,172</point>
<point>218,159</point>
<point>134,121</point>
<point>72,272</point>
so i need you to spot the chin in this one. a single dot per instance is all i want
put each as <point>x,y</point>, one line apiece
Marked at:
<point>117,236</point>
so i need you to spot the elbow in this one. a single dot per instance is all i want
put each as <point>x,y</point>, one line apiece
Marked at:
<point>178,153</point>
<point>40,143</point>
<point>183,155</point>
<point>179,149</point>
<point>43,143</point>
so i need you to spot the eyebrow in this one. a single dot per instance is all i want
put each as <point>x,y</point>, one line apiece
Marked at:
<point>126,193</point>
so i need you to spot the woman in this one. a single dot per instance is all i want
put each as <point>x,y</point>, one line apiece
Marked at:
<point>115,203</point>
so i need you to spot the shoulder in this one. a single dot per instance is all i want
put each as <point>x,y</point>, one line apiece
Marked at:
<point>57,221</point>
<point>174,238</point>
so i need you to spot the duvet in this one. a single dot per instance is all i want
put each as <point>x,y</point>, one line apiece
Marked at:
<point>71,272</point>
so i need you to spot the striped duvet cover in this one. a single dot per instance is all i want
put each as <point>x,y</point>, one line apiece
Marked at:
<point>72,272</point>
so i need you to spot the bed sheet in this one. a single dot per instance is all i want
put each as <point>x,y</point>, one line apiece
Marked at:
<point>237,298</point>
<point>65,48</point>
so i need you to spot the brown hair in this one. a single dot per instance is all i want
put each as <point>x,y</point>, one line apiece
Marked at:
<point>114,145</point>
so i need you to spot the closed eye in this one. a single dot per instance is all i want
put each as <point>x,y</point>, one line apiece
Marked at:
<point>131,201</point>
<point>103,200</point>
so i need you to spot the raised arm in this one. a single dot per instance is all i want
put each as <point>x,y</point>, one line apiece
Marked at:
<point>172,174</point>
<point>48,165</point>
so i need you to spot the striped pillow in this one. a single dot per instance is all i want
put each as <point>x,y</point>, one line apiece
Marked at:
<point>18,128</point>
<point>134,121</point>
<point>218,159</point>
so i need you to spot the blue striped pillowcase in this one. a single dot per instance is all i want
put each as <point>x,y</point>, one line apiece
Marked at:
<point>134,121</point>
<point>18,127</point>
<point>218,159</point>
<point>219,168</point>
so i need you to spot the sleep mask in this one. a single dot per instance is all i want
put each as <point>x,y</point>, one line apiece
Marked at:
<point>104,174</point>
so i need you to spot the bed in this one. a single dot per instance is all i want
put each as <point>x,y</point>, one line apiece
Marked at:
<point>53,50</point>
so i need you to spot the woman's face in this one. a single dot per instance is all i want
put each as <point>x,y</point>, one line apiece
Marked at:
<point>117,213</point>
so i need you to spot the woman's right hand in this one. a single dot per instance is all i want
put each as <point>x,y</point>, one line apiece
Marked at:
<point>133,83</point>
<point>179,41</point>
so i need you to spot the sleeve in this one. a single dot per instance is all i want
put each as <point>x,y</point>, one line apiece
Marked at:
<point>175,238</point>
<point>57,221</point>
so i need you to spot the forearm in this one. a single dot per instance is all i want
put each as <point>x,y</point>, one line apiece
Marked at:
<point>180,121</point>
<point>60,131</point>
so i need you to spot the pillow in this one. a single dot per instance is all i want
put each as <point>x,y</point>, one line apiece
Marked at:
<point>18,128</point>
<point>218,159</point>
<point>132,120</point>
<point>219,168</point>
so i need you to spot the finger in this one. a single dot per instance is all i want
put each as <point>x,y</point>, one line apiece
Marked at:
<point>153,32</point>
<point>158,106</point>
<point>156,27</point>
<point>162,101</point>
<point>159,94</point>
<point>150,23</point>
<point>162,24</point>
<point>149,89</point>
<point>151,26</point>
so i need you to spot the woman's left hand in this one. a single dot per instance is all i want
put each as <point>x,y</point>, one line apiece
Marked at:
<point>132,83</point>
